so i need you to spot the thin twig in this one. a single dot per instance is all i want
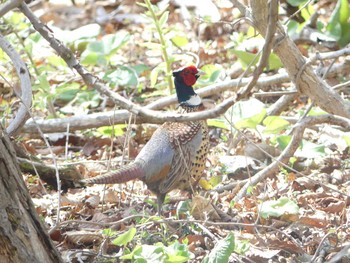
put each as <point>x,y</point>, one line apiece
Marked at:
<point>26,87</point>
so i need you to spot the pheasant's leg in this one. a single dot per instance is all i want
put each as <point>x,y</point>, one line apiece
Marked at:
<point>160,199</point>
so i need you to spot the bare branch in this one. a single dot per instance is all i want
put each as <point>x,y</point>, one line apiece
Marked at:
<point>26,87</point>
<point>291,148</point>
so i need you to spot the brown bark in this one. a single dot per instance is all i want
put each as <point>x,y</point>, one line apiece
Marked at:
<point>23,237</point>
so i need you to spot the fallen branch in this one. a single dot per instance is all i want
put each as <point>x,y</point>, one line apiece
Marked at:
<point>47,173</point>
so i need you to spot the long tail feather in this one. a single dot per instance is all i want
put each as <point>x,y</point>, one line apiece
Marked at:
<point>124,174</point>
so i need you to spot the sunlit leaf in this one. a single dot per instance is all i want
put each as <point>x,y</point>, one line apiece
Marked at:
<point>347,140</point>
<point>218,123</point>
<point>222,250</point>
<point>163,19</point>
<point>274,124</point>
<point>109,232</point>
<point>310,150</point>
<point>283,141</point>
<point>215,180</point>
<point>67,92</point>
<point>205,184</point>
<point>125,238</point>
<point>116,130</point>
<point>97,52</point>
<point>244,110</point>
<point>179,41</point>
<point>277,208</point>
<point>252,121</point>
<point>122,76</point>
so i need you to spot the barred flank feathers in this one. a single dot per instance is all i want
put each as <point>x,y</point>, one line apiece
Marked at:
<point>124,174</point>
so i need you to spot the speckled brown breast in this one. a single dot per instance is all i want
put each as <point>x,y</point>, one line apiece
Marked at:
<point>198,163</point>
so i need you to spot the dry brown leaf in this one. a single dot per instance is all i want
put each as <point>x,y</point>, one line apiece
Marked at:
<point>93,145</point>
<point>93,201</point>
<point>331,205</point>
<point>111,196</point>
<point>319,219</point>
<point>82,238</point>
<point>309,198</point>
<point>55,149</point>
<point>286,245</point>
<point>261,254</point>
<point>202,209</point>
<point>193,239</point>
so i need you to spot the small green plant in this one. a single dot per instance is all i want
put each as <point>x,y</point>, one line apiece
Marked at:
<point>337,28</point>
<point>159,19</point>
<point>222,250</point>
<point>125,238</point>
<point>247,50</point>
<point>277,208</point>
<point>174,253</point>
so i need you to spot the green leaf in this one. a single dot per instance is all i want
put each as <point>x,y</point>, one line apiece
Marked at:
<point>124,239</point>
<point>222,250</point>
<point>140,68</point>
<point>218,123</point>
<point>98,52</point>
<point>109,232</point>
<point>338,18</point>
<point>122,76</point>
<point>212,73</point>
<point>283,141</point>
<point>307,12</point>
<point>141,4</point>
<point>215,180</point>
<point>344,12</point>
<point>277,208</point>
<point>250,59</point>
<point>93,58</point>
<point>177,253</point>
<point>67,92</point>
<point>179,41</point>
<point>244,110</point>
<point>315,111</point>
<point>252,121</point>
<point>117,130</point>
<point>310,150</point>
<point>163,19</point>
<point>274,62</point>
<point>246,58</point>
<point>274,124</point>
<point>44,83</point>
<point>155,72</point>
<point>347,140</point>
<point>56,61</point>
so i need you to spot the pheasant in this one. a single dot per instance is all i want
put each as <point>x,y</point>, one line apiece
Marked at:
<point>175,156</point>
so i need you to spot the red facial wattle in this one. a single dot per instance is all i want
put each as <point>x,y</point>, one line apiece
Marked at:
<point>189,75</point>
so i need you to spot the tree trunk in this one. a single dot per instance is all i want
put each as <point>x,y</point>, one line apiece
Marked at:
<point>23,237</point>
<point>307,82</point>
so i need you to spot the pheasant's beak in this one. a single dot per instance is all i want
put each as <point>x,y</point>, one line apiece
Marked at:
<point>200,73</point>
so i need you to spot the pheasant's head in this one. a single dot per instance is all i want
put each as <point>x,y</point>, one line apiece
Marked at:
<point>184,78</point>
